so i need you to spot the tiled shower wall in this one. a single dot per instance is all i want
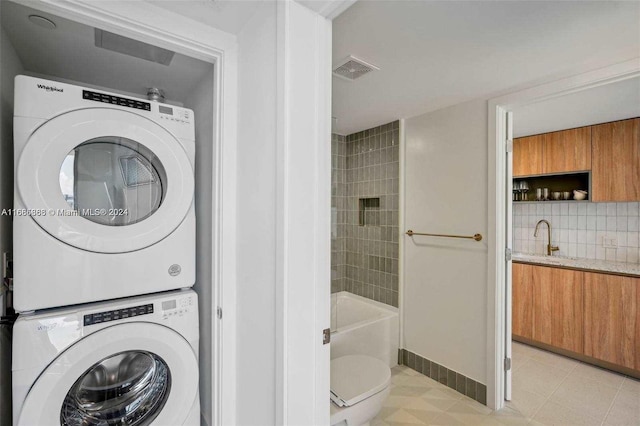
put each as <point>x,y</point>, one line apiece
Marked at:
<point>580,229</point>
<point>365,256</point>
<point>338,212</point>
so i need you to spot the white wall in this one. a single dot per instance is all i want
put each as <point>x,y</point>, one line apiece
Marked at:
<point>445,280</point>
<point>609,102</point>
<point>201,102</point>
<point>304,200</point>
<point>283,217</point>
<point>10,67</point>
<point>256,223</point>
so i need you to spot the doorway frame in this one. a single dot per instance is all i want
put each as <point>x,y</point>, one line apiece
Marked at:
<point>496,270</point>
<point>146,22</point>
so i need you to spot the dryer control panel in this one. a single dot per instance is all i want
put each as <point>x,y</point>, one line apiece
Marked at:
<point>166,112</point>
<point>175,114</point>
<point>116,100</point>
<point>47,99</point>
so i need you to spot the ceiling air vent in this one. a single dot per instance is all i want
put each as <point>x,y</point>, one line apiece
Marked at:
<point>352,68</point>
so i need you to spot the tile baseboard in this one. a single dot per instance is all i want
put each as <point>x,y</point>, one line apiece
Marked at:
<point>450,378</point>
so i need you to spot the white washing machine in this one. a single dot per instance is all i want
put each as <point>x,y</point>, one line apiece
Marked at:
<point>104,188</point>
<point>127,362</point>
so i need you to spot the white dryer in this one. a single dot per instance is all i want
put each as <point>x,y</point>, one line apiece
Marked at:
<point>127,362</point>
<point>103,204</point>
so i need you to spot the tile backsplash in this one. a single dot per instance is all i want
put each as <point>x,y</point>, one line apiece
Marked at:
<point>603,231</point>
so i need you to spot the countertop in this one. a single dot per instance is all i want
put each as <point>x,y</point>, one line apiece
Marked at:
<point>617,268</point>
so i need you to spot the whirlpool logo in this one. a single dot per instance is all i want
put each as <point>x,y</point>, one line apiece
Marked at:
<point>50,88</point>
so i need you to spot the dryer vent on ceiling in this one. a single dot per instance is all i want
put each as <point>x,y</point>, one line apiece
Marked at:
<point>352,68</point>
<point>131,47</point>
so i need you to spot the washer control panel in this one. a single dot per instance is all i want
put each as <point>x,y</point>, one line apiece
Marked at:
<point>177,307</point>
<point>118,314</point>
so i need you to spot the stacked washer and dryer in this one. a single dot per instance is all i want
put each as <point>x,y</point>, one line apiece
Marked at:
<point>104,258</point>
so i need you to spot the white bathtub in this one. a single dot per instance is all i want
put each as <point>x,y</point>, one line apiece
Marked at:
<point>360,326</point>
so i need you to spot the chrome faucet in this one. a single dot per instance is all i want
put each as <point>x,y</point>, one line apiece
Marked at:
<point>550,248</point>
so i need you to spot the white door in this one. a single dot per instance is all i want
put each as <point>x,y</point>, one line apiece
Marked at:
<point>131,374</point>
<point>509,246</point>
<point>105,180</point>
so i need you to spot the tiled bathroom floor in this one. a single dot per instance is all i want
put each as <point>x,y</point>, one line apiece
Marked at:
<point>548,389</point>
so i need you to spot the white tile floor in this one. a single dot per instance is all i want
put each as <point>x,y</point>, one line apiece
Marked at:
<point>548,389</point>
<point>554,390</point>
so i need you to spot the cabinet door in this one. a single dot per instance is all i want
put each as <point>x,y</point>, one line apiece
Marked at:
<point>615,172</point>
<point>567,151</point>
<point>567,328</point>
<point>612,319</point>
<point>522,303</point>
<point>557,309</point>
<point>527,155</point>
<point>542,304</point>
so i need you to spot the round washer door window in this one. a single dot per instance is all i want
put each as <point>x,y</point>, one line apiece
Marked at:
<point>135,373</point>
<point>105,180</point>
<point>113,181</point>
<point>129,388</point>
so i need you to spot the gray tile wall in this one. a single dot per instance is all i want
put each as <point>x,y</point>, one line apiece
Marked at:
<point>453,379</point>
<point>338,212</point>
<point>370,250</point>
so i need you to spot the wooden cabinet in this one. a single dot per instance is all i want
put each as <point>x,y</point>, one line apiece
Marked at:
<point>594,316</point>
<point>527,155</point>
<point>610,150</point>
<point>556,152</point>
<point>522,301</point>
<point>567,324</point>
<point>612,319</point>
<point>567,151</point>
<point>616,161</point>
<point>547,305</point>
<point>542,305</point>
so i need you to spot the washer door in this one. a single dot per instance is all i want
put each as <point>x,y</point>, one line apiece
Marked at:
<point>105,180</point>
<point>148,377</point>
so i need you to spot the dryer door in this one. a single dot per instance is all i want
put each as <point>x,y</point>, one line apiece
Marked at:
<point>105,180</point>
<point>130,374</point>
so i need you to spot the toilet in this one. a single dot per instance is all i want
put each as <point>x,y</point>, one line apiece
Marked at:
<point>359,386</point>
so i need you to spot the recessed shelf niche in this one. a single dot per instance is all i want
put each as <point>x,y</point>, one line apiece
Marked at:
<point>369,212</point>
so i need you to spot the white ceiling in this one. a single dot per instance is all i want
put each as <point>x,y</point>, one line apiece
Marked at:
<point>327,8</point>
<point>616,101</point>
<point>436,54</point>
<point>69,53</point>
<point>229,16</point>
